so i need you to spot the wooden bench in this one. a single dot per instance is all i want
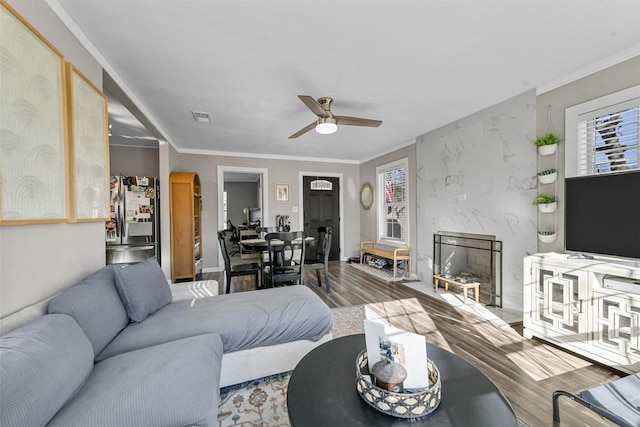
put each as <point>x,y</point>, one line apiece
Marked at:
<point>397,254</point>
<point>464,286</point>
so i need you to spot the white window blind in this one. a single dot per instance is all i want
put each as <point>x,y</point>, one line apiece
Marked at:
<point>608,139</point>
<point>392,209</point>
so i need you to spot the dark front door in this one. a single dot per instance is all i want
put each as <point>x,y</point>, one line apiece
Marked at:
<point>322,209</point>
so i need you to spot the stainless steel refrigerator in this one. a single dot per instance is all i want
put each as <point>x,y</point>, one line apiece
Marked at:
<point>132,231</point>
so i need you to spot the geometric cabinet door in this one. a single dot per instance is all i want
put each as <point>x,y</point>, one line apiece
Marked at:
<point>569,303</point>
<point>558,302</point>
<point>617,324</point>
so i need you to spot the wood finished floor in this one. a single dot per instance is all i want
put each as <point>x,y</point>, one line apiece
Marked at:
<point>526,371</point>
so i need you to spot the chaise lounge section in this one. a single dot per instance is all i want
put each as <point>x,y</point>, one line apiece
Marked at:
<point>117,349</point>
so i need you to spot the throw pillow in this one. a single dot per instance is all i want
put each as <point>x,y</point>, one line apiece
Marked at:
<point>142,288</point>
<point>96,306</point>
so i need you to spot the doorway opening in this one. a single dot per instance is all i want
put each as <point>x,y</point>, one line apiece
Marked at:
<point>243,196</point>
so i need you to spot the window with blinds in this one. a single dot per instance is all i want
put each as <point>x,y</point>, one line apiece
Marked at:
<point>393,222</point>
<point>608,139</point>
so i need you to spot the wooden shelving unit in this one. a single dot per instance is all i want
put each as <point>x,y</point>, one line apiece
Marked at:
<point>185,207</point>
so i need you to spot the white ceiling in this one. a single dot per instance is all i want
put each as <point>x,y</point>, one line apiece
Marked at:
<point>415,65</point>
<point>126,129</point>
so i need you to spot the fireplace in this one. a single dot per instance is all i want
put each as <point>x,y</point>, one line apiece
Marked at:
<point>471,258</point>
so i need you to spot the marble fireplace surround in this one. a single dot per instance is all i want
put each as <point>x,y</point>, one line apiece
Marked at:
<point>478,175</point>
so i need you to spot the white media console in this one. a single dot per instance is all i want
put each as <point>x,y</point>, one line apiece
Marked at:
<point>588,306</point>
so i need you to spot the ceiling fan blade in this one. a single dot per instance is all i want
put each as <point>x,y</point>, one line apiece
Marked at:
<point>356,121</point>
<point>303,130</point>
<point>313,105</point>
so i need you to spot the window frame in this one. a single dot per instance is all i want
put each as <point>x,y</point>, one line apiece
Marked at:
<point>572,120</point>
<point>381,205</point>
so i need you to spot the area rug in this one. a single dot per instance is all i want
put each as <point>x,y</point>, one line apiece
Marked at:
<point>380,273</point>
<point>348,320</point>
<point>263,402</point>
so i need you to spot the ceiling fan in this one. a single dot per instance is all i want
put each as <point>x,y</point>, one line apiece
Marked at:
<point>327,122</point>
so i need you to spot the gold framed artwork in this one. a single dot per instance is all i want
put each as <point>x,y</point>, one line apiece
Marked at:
<point>282,192</point>
<point>89,148</point>
<point>34,178</point>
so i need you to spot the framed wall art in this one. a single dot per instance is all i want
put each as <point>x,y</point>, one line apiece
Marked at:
<point>282,192</point>
<point>34,178</point>
<point>366,195</point>
<point>88,147</point>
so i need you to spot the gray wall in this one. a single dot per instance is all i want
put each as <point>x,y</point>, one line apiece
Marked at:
<point>279,171</point>
<point>368,219</point>
<point>37,261</point>
<point>596,85</point>
<point>239,196</point>
<point>477,175</point>
<point>134,161</point>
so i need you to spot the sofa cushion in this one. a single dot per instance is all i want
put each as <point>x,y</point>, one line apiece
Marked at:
<point>142,288</point>
<point>43,364</point>
<point>244,320</point>
<point>173,384</point>
<point>94,303</point>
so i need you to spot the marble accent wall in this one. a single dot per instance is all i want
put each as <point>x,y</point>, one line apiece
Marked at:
<point>478,175</point>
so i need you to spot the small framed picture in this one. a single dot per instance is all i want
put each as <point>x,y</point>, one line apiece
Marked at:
<point>282,192</point>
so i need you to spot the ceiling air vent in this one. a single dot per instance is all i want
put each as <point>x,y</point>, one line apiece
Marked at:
<point>201,116</point>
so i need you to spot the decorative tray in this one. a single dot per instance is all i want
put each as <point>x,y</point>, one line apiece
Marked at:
<point>401,405</point>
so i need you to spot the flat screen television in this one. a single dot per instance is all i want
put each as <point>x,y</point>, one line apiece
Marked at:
<point>602,214</point>
<point>255,215</point>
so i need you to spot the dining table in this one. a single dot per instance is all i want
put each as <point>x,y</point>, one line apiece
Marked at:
<point>260,244</point>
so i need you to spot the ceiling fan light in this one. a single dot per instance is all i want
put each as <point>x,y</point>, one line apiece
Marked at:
<point>326,125</point>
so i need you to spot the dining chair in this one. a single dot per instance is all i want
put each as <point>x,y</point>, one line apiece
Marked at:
<point>234,239</point>
<point>285,259</point>
<point>263,231</point>
<point>322,256</point>
<point>236,270</point>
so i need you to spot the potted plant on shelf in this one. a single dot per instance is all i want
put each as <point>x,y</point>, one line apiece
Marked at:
<point>548,176</point>
<point>546,236</point>
<point>547,144</point>
<point>546,203</point>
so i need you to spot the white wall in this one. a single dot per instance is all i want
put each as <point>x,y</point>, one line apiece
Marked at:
<point>477,175</point>
<point>37,261</point>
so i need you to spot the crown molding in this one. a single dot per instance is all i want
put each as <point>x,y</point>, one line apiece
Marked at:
<point>591,69</point>
<point>57,8</point>
<point>264,156</point>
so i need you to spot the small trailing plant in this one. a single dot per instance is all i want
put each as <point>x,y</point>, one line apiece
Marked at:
<point>548,139</point>
<point>546,233</point>
<point>544,199</point>
<point>547,172</point>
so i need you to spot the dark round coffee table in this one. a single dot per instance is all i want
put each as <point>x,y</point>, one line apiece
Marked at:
<point>322,392</point>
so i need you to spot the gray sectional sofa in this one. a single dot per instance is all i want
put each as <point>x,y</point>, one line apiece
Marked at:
<point>118,349</point>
